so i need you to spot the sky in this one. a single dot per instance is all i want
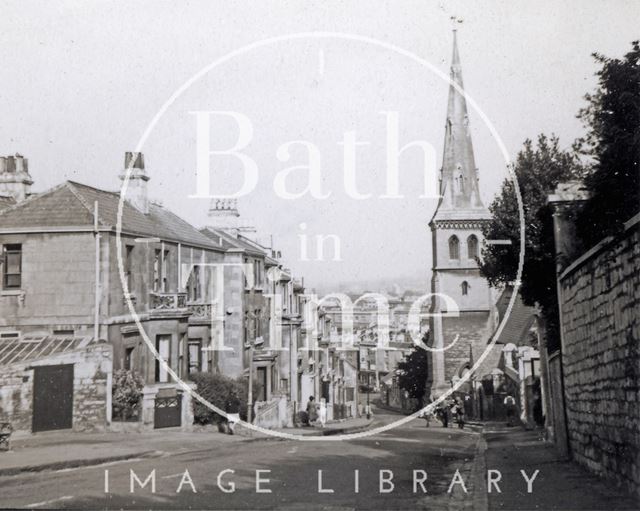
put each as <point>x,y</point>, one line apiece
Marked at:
<point>82,81</point>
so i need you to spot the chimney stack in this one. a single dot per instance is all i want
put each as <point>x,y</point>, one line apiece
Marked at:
<point>223,214</point>
<point>136,194</point>
<point>15,180</point>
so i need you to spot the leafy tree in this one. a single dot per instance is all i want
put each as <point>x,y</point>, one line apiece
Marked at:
<point>612,117</point>
<point>413,373</point>
<point>538,168</point>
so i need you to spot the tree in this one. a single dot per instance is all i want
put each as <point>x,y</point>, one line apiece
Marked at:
<point>538,170</point>
<point>413,373</point>
<point>612,117</point>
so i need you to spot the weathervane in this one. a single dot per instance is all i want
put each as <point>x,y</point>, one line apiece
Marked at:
<point>454,20</point>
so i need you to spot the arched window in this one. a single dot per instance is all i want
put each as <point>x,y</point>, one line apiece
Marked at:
<point>472,247</point>
<point>454,247</point>
<point>465,288</point>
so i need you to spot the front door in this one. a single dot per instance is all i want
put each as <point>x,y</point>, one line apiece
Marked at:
<point>52,397</point>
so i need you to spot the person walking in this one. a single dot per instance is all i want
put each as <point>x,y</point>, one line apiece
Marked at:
<point>233,413</point>
<point>510,405</point>
<point>459,407</point>
<point>323,412</point>
<point>443,413</point>
<point>312,411</point>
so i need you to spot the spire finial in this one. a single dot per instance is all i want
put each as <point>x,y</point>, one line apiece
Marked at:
<point>455,21</point>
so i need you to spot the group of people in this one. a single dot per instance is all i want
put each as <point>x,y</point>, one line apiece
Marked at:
<point>315,413</point>
<point>450,410</point>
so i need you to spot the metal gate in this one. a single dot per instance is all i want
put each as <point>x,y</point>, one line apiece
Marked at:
<point>52,397</point>
<point>168,411</point>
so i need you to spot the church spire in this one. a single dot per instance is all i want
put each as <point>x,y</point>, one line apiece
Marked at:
<point>458,177</point>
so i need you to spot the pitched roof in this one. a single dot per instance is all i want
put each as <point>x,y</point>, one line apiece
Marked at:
<point>71,205</point>
<point>231,241</point>
<point>518,322</point>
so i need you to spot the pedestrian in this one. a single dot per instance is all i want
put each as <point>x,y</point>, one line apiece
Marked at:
<point>312,410</point>
<point>427,412</point>
<point>323,412</point>
<point>459,413</point>
<point>233,413</point>
<point>443,413</point>
<point>510,405</point>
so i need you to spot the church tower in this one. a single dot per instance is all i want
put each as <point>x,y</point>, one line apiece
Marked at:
<point>456,239</point>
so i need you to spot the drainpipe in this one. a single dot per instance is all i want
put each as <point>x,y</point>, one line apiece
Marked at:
<point>96,318</point>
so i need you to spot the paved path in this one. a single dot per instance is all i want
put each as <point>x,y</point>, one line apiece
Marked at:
<point>560,484</point>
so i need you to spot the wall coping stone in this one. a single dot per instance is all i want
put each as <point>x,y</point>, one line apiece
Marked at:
<point>600,246</point>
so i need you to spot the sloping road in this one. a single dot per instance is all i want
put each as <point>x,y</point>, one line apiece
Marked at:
<point>292,481</point>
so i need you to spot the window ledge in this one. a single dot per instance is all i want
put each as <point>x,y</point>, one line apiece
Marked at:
<point>12,292</point>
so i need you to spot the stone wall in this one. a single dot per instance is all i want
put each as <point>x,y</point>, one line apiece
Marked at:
<point>600,304</point>
<point>92,374</point>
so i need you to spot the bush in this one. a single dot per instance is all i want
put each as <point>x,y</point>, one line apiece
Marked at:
<point>126,393</point>
<point>220,391</point>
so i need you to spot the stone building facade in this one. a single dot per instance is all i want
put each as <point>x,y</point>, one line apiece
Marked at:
<point>61,275</point>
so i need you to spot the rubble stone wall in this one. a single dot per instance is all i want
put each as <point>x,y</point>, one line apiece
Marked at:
<point>92,374</point>
<point>601,357</point>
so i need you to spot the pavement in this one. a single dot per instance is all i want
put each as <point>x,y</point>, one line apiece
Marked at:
<point>560,484</point>
<point>340,427</point>
<point>58,450</point>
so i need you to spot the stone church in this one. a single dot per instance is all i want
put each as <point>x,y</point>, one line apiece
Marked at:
<point>456,238</point>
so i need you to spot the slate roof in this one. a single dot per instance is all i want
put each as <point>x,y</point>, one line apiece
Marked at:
<point>32,347</point>
<point>233,242</point>
<point>71,205</point>
<point>518,322</point>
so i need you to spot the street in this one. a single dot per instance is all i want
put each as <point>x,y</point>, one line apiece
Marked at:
<point>292,480</point>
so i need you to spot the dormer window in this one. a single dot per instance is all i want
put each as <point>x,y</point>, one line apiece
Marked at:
<point>454,247</point>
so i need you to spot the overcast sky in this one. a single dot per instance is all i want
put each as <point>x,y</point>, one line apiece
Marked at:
<point>80,82</point>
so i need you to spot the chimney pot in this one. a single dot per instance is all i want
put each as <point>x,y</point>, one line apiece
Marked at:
<point>138,160</point>
<point>11,164</point>
<point>14,177</point>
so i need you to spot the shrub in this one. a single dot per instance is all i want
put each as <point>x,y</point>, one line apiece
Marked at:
<point>215,388</point>
<point>220,391</point>
<point>126,393</point>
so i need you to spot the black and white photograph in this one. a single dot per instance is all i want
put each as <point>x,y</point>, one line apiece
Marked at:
<point>320,255</point>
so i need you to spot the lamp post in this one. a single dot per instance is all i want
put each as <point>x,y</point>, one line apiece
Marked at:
<point>368,391</point>
<point>250,398</point>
